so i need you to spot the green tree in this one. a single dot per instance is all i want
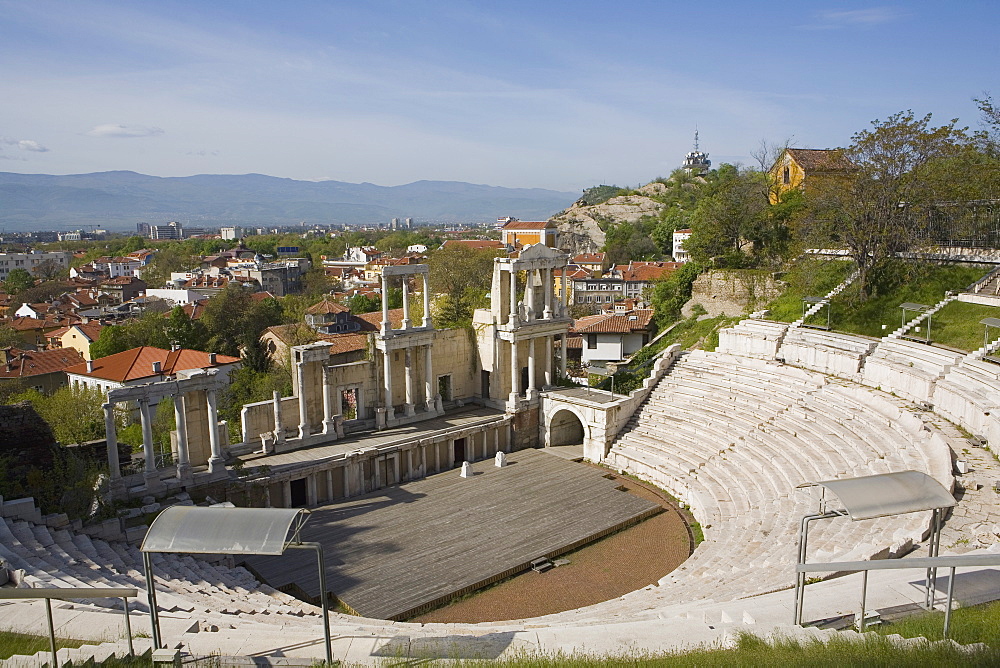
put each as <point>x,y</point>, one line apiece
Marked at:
<point>113,339</point>
<point>900,168</point>
<point>184,331</point>
<point>18,280</point>
<point>233,317</point>
<point>669,295</point>
<point>9,337</point>
<point>463,275</point>
<point>75,415</point>
<point>360,303</point>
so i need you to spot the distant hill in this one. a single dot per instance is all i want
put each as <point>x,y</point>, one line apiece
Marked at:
<point>119,200</point>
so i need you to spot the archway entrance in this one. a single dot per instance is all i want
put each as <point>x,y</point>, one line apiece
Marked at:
<point>565,429</point>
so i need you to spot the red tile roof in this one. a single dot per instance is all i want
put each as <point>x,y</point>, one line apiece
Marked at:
<point>475,244</point>
<point>372,322</point>
<point>526,225</point>
<point>619,323</point>
<point>589,258</point>
<point>326,306</point>
<point>649,271</point>
<point>819,159</point>
<point>137,363</point>
<point>26,363</point>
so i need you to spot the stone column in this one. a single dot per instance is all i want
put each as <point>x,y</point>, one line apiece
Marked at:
<point>279,428</point>
<point>311,489</point>
<point>548,341</point>
<point>565,355</point>
<point>147,438</point>
<point>215,462</point>
<point>347,479</point>
<point>385,304</point>
<point>515,374</point>
<point>406,302</point>
<point>408,373</point>
<point>376,473</point>
<point>329,485</point>
<point>328,425</point>
<point>286,494</point>
<point>565,291</point>
<point>300,368</point>
<point>427,300</point>
<point>183,457</point>
<point>532,390</point>
<point>429,382</point>
<point>390,412</point>
<point>437,456</point>
<point>529,293</point>
<point>409,464</point>
<point>547,291</point>
<point>513,297</point>
<point>449,456</point>
<point>114,466</point>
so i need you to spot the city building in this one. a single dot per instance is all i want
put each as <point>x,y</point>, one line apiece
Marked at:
<point>696,162</point>
<point>679,253</point>
<point>36,263</point>
<point>41,370</point>
<point>805,167</point>
<point>231,233</point>
<point>519,233</point>
<point>172,230</point>
<point>614,336</point>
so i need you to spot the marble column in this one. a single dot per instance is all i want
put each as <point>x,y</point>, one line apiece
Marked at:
<point>215,462</point>
<point>513,297</point>
<point>529,293</point>
<point>329,485</point>
<point>427,300</point>
<point>385,304</point>
<point>147,438</point>
<point>532,390</point>
<point>547,291</point>
<point>303,406</point>
<point>311,489</point>
<point>548,342</point>
<point>515,374</point>
<point>408,374</point>
<point>429,381</point>
<point>390,412</point>
<point>183,457</point>
<point>406,302</point>
<point>328,424</point>
<point>111,432</point>
<point>565,355</point>
<point>286,493</point>
<point>347,479</point>
<point>279,428</point>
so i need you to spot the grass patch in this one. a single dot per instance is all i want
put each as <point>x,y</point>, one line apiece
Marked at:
<point>923,283</point>
<point>699,534</point>
<point>978,623</point>
<point>694,333</point>
<point>12,643</point>
<point>957,325</point>
<point>873,650</point>
<point>809,277</point>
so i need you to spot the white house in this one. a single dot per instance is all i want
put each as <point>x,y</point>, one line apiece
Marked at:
<point>612,337</point>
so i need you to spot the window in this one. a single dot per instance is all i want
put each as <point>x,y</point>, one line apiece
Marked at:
<point>786,176</point>
<point>591,341</point>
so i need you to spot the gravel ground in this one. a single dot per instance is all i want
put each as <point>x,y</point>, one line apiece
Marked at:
<point>620,563</point>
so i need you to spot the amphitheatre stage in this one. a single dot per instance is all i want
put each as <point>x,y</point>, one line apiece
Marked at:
<point>397,551</point>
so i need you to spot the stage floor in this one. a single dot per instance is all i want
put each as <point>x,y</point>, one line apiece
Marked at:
<point>398,550</point>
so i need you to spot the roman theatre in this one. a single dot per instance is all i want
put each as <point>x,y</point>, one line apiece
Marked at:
<point>374,447</point>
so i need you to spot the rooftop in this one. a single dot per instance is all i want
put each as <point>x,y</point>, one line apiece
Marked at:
<point>137,363</point>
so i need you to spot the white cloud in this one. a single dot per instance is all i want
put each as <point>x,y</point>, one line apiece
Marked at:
<point>24,145</point>
<point>30,145</point>
<point>864,18</point>
<point>119,131</point>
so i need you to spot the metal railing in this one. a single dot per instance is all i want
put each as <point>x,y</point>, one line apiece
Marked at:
<point>931,564</point>
<point>71,593</point>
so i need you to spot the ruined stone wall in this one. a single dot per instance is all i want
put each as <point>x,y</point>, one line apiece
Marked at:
<point>732,292</point>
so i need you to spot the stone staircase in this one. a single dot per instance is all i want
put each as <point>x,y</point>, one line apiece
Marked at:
<point>905,329</point>
<point>815,308</point>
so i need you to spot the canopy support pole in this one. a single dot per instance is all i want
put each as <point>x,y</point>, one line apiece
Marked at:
<point>154,617</point>
<point>321,564</point>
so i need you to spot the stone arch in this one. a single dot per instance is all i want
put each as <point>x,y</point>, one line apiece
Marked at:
<point>565,426</point>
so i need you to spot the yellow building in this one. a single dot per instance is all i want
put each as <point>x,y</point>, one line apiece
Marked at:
<point>801,167</point>
<point>523,233</point>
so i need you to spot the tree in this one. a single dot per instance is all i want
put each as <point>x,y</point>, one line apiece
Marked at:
<point>49,270</point>
<point>233,317</point>
<point>730,220</point>
<point>898,170</point>
<point>184,331</point>
<point>464,276</point>
<point>669,295</point>
<point>113,339</point>
<point>9,337</point>
<point>76,415</point>
<point>18,280</point>
<point>360,303</point>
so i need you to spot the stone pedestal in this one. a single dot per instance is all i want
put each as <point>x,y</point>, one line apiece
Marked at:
<point>466,470</point>
<point>500,460</point>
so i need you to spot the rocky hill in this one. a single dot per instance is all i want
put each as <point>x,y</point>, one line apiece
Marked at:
<point>581,227</point>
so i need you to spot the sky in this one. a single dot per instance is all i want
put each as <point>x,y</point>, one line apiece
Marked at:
<point>559,95</point>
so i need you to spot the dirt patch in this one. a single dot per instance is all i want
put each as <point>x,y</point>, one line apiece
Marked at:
<point>616,565</point>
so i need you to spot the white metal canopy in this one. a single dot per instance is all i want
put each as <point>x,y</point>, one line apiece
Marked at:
<point>197,530</point>
<point>889,494</point>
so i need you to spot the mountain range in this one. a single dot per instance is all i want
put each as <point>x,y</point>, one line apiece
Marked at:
<point>120,199</point>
